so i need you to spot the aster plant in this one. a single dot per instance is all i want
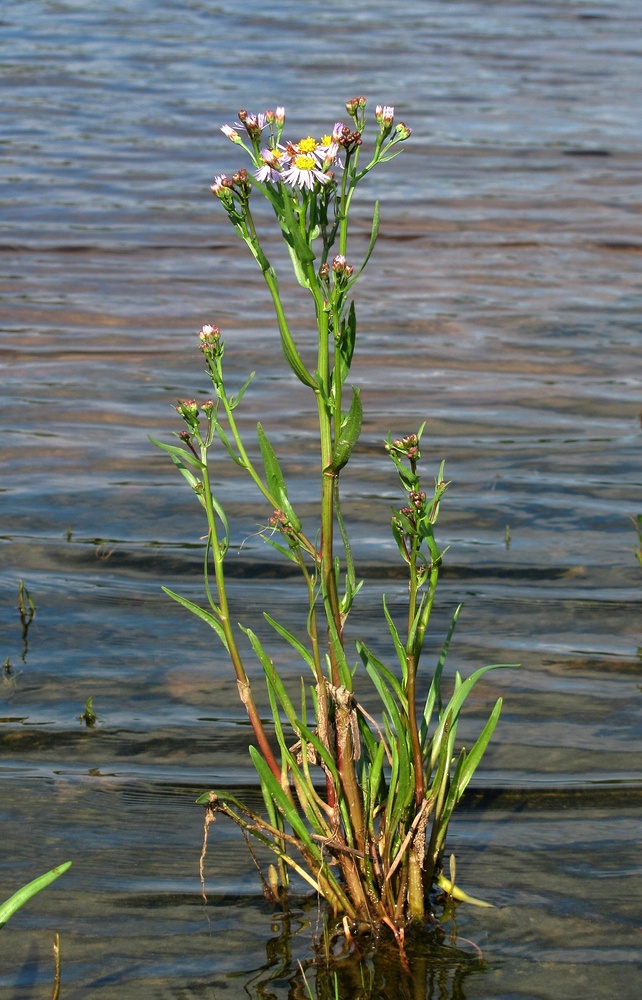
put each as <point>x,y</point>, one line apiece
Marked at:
<point>356,804</point>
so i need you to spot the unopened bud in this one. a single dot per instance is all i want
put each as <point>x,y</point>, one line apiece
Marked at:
<point>188,409</point>
<point>222,188</point>
<point>231,133</point>
<point>384,114</point>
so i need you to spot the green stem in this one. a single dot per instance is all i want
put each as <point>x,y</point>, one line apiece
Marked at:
<point>411,674</point>
<point>247,462</point>
<point>223,615</point>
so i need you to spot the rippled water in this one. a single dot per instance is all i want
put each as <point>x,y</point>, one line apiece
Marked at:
<point>503,303</point>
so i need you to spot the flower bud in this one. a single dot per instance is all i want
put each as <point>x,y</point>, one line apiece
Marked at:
<point>210,341</point>
<point>222,188</point>
<point>231,133</point>
<point>384,114</point>
<point>188,409</point>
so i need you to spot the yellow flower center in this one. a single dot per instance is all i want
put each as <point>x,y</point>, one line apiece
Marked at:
<point>325,140</point>
<point>305,162</point>
<point>307,145</point>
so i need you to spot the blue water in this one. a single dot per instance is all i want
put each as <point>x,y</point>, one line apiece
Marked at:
<point>502,304</point>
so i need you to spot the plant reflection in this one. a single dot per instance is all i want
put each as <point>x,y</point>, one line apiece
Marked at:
<point>435,966</point>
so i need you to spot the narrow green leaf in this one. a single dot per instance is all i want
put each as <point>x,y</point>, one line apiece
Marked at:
<point>377,670</point>
<point>349,434</point>
<point>299,270</point>
<point>291,231</point>
<point>293,641</point>
<point>235,400</point>
<point>459,894</point>
<point>454,706</point>
<point>348,334</point>
<point>299,726</point>
<point>477,752</point>
<point>401,652</point>
<point>374,232</point>
<point>288,553</point>
<point>178,455</point>
<point>19,898</point>
<point>285,805</point>
<point>434,693</point>
<point>275,478</point>
<point>374,778</point>
<point>206,616</point>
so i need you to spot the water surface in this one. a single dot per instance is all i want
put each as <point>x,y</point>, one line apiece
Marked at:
<point>502,304</point>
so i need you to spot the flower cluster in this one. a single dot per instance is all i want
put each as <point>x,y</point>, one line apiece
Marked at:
<point>306,164</point>
<point>210,339</point>
<point>301,164</point>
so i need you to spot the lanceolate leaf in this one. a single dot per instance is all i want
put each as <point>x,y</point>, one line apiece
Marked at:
<point>19,898</point>
<point>275,479</point>
<point>477,752</point>
<point>180,456</point>
<point>373,239</point>
<point>206,616</point>
<point>349,434</point>
<point>459,894</point>
<point>294,642</point>
<point>434,694</point>
<point>289,810</point>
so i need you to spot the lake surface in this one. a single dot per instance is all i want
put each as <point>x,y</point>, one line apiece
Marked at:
<point>503,304</point>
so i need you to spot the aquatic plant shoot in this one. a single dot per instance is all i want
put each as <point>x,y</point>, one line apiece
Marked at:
<point>357,803</point>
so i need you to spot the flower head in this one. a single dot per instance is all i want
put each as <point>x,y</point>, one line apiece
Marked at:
<point>303,170</point>
<point>328,149</point>
<point>253,124</point>
<point>270,171</point>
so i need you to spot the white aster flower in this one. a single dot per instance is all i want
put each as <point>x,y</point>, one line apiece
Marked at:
<point>270,171</point>
<point>327,150</point>
<point>303,171</point>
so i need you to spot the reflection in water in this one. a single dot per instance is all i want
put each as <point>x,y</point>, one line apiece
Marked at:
<point>27,610</point>
<point>435,967</point>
